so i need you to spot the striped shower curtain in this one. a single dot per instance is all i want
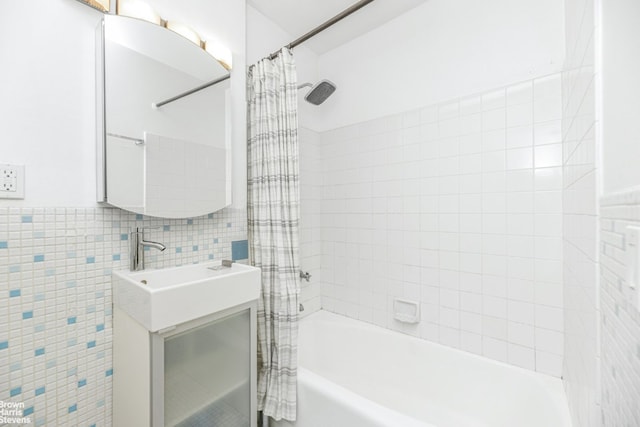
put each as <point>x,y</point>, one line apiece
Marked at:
<point>273,215</point>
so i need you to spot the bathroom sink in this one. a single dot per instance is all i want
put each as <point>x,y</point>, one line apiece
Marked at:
<point>159,299</point>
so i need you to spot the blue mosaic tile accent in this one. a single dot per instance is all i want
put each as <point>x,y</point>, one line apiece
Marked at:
<point>99,247</point>
<point>15,391</point>
<point>27,219</point>
<point>215,240</point>
<point>228,225</point>
<point>239,250</point>
<point>210,216</point>
<point>178,250</point>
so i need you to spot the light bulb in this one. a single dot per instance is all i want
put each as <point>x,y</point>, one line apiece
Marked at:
<point>138,9</point>
<point>184,31</point>
<point>220,52</point>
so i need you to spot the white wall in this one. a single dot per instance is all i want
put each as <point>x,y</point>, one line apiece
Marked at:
<point>619,304</point>
<point>621,94</point>
<point>48,101</point>
<point>441,50</point>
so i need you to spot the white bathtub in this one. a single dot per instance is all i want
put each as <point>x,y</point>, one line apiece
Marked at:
<point>353,374</point>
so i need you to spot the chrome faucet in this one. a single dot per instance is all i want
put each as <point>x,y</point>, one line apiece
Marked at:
<point>137,248</point>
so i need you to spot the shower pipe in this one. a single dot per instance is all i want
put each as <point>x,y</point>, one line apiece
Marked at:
<point>320,28</point>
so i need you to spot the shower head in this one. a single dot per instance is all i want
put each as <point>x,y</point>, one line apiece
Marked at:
<point>319,92</point>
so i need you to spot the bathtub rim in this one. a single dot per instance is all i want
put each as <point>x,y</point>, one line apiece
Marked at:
<point>552,385</point>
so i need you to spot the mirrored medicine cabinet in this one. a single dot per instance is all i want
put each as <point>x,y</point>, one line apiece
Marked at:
<point>163,140</point>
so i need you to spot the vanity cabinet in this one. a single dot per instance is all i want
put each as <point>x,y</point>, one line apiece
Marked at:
<point>199,373</point>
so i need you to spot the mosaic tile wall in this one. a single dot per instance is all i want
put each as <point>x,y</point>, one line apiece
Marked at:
<point>55,299</point>
<point>620,314</point>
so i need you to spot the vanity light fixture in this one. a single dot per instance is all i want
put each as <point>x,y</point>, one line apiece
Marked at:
<point>141,10</point>
<point>138,9</point>
<point>220,52</point>
<point>184,31</point>
<point>101,5</point>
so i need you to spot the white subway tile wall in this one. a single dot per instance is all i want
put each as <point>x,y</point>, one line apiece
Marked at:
<point>56,309</point>
<point>581,314</point>
<point>457,206</point>
<point>620,308</point>
<point>310,200</point>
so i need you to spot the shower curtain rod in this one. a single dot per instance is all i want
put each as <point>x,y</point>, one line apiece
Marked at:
<point>320,28</point>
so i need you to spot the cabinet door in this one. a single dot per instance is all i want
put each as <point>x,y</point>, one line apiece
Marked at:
<point>207,374</point>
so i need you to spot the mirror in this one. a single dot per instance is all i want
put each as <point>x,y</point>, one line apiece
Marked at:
<point>161,153</point>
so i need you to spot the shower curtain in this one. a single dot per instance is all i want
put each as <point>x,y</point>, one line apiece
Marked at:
<point>273,217</point>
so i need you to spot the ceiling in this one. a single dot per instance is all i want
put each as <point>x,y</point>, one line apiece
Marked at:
<point>298,17</point>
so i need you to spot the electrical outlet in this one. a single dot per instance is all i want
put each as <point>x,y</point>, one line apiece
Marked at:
<point>11,181</point>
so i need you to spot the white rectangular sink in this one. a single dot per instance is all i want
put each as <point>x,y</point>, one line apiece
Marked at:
<point>159,299</point>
